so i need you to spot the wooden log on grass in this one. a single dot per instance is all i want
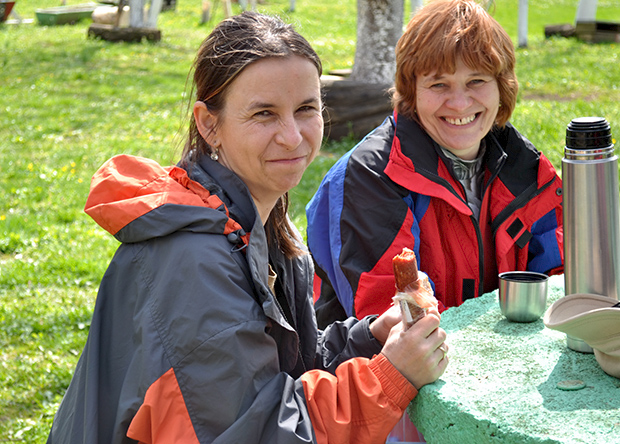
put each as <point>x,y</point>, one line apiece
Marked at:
<point>129,34</point>
<point>562,30</point>
<point>353,107</point>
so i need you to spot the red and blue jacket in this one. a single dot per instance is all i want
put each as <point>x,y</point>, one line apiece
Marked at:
<point>395,189</point>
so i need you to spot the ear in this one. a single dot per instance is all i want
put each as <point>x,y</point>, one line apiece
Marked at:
<point>206,123</point>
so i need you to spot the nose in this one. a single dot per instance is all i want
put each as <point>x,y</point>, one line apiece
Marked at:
<point>289,134</point>
<point>459,99</point>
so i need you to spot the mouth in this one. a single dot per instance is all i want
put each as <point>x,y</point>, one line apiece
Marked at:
<point>289,160</point>
<point>461,121</point>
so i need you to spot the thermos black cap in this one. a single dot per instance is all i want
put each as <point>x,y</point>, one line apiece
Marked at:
<point>588,133</point>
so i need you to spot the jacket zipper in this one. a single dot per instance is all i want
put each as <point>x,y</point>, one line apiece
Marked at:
<point>480,255</point>
<point>299,355</point>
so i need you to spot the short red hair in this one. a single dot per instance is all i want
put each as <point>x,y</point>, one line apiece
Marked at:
<point>443,32</point>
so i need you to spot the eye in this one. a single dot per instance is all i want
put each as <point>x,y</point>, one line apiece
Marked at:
<point>481,80</point>
<point>263,114</point>
<point>438,85</point>
<point>307,109</point>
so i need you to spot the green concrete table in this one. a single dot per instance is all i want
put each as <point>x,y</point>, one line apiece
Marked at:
<point>502,383</point>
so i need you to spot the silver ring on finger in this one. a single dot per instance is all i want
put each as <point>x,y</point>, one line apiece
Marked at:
<point>444,349</point>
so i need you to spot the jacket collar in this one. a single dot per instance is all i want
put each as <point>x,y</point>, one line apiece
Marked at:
<point>417,164</point>
<point>236,197</point>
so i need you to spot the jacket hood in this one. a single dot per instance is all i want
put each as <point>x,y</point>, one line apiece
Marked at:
<point>136,199</point>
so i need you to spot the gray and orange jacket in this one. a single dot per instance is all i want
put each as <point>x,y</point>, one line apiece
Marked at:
<point>189,345</point>
<point>395,189</point>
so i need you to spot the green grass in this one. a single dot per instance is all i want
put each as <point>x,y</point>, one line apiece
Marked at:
<point>67,103</point>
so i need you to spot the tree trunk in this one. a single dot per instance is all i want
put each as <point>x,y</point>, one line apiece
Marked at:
<point>357,104</point>
<point>379,26</point>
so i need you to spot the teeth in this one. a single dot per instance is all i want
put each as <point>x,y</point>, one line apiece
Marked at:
<point>463,121</point>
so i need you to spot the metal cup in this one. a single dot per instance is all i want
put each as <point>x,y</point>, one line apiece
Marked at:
<point>522,295</point>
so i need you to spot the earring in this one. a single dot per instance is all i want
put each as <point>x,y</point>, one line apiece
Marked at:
<point>214,155</point>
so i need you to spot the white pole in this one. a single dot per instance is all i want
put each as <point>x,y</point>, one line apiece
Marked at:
<point>415,5</point>
<point>586,11</point>
<point>228,9</point>
<point>136,13</point>
<point>522,23</point>
<point>154,10</point>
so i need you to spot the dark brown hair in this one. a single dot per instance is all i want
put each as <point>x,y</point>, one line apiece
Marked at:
<point>443,32</point>
<point>231,47</point>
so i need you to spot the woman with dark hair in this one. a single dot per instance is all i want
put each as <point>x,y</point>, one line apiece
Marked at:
<point>204,329</point>
<point>447,176</point>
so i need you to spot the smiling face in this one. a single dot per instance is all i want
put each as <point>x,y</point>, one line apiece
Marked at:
<point>270,128</point>
<point>457,110</point>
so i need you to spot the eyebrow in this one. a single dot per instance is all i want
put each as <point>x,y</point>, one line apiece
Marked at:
<point>473,74</point>
<point>262,105</point>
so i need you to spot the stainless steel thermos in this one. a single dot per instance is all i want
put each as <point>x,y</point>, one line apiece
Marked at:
<point>591,216</point>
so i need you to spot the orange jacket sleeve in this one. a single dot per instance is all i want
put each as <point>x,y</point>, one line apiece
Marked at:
<point>362,403</point>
